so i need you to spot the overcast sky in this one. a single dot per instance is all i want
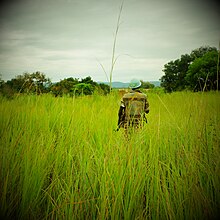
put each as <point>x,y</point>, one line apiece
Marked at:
<point>73,38</point>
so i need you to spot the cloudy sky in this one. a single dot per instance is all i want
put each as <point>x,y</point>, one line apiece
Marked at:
<point>74,38</point>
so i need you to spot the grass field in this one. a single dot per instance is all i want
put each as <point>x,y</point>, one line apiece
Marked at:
<point>60,158</point>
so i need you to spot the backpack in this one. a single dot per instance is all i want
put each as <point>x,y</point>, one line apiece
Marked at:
<point>134,105</point>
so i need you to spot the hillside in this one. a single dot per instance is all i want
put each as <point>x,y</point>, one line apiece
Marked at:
<point>125,85</point>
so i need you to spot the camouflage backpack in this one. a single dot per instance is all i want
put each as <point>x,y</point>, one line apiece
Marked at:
<point>134,105</point>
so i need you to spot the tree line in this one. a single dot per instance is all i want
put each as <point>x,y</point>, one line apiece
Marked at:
<point>38,83</point>
<point>196,71</point>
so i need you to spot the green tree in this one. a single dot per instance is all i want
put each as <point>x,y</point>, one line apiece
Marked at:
<point>26,83</point>
<point>17,84</point>
<point>64,87</point>
<point>169,80</point>
<point>103,88</point>
<point>5,89</point>
<point>40,83</point>
<point>199,52</point>
<point>202,72</point>
<point>83,89</point>
<point>175,72</point>
<point>183,65</point>
<point>88,80</point>
<point>85,86</point>
<point>29,83</point>
<point>1,81</point>
<point>147,85</point>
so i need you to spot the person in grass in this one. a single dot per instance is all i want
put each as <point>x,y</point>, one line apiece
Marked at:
<point>134,107</point>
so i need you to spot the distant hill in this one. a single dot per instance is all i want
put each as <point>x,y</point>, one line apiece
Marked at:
<point>119,85</point>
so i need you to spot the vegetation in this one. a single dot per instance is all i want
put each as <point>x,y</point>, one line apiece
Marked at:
<point>147,85</point>
<point>27,83</point>
<point>38,83</point>
<point>71,86</point>
<point>61,159</point>
<point>196,72</point>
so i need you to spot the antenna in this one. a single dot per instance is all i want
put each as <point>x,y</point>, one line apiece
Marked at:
<point>114,46</point>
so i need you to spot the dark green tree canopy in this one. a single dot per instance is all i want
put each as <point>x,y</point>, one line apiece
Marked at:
<point>199,52</point>
<point>202,73</point>
<point>175,72</point>
<point>83,89</point>
<point>36,82</point>
<point>76,87</point>
<point>147,85</point>
<point>189,71</point>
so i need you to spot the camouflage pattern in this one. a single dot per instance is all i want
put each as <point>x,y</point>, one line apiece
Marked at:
<point>134,106</point>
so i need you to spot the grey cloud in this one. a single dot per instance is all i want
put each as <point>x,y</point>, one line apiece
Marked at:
<point>66,36</point>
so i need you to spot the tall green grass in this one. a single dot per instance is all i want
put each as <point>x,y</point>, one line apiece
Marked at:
<point>60,158</point>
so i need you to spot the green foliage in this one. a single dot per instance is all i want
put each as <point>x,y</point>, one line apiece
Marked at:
<point>182,73</point>
<point>61,159</point>
<point>175,72</point>
<point>104,88</point>
<point>88,80</point>
<point>199,52</point>
<point>72,87</point>
<point>37,83</point>
<point>1,81</point>
<point>201,74</point>
<point>83,89</point>
<point>147,85</point>
<point>31,83</point>
<point>64,87</point>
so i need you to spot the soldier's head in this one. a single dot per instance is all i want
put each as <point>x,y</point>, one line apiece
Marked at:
<point>135,84</point>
